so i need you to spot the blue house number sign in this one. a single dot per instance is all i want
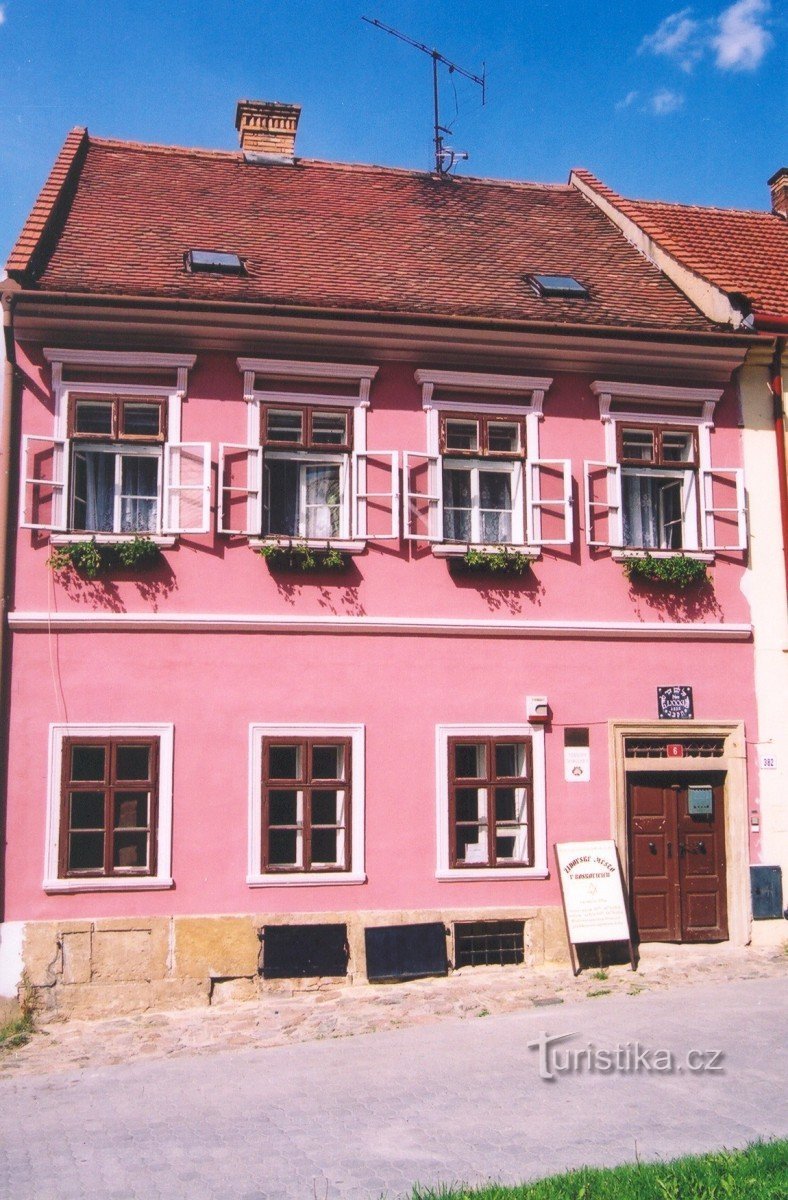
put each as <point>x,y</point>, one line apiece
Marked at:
<point>675,703</point>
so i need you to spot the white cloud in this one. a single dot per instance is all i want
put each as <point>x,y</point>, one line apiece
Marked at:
<point>678,37</point>
<point>664,102</point>
<point>628,100</point>
<point>2,14</point>
<point>738,37</point>
<point>742,38</point>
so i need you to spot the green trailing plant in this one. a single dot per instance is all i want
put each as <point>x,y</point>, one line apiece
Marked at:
<point>677,572</point>
<point>501,561</point>
<point>91,558</point>
<point>303,558</point>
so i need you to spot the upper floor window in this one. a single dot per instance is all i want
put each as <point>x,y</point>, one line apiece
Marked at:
<point>116,465</point>
<point>481,481</point>
<point>658,489</point>
<point>305,472</point>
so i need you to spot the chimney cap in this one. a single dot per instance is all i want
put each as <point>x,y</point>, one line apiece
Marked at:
<point>272,107</point>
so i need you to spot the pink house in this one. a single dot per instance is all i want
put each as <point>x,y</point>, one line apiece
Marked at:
<point>331,480</point>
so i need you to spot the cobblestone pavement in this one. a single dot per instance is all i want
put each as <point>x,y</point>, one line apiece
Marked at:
<point>362,1117</point>
<point>287,1014</point>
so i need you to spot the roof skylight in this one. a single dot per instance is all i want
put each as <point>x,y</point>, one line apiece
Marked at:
<point>558,285</point>
<point>216,262</point>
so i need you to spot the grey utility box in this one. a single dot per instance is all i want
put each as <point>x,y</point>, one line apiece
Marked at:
<point>767,893</point>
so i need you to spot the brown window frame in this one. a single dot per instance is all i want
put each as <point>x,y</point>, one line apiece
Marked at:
<point>658,462</point>
<point>484,420</point>
<point>118,403</point>
<point>307,783</point>
<point>307,442</point>
<point>490,781</point>
<point>109,786</point>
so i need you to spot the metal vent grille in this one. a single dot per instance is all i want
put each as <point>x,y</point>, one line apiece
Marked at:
<point>658,747</point>
<point>488,943</point>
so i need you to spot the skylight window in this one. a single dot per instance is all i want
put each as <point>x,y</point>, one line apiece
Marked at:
<point>558,285</point>
<point>215,262</point>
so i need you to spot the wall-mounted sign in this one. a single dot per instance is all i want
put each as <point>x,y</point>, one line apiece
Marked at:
<point>700,800</point>
<point>675,703</point>
<point>767,760</point>
<point>577,764</point>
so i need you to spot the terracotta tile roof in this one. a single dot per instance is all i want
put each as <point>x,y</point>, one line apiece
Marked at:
<point>339,236</point>
<point>737,250</point>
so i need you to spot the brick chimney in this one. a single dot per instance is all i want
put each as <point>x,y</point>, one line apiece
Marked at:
<point>267,127</point>
<point>779,186</point>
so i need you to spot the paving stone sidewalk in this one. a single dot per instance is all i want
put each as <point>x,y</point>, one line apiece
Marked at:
<point>292,1014</point>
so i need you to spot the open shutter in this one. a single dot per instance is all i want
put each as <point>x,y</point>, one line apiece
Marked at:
<point>548,497</point>
<point>603,504</point>
<point>240,489</point>
<point>723,505</point>
<point>375,495</point>
<point>423,497</point>
<point>43,502</point>
<point>187,487</point>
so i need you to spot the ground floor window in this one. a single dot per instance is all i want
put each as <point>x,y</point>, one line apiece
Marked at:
<point>110,807</point>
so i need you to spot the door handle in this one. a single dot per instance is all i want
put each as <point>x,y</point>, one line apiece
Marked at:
<point>682,851</point>
<point>652,848</point>
<point>670,850</point>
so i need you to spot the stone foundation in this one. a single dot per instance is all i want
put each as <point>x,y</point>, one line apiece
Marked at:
<point>104,967</point>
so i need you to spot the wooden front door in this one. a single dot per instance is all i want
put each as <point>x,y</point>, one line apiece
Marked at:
<point>677,857</point>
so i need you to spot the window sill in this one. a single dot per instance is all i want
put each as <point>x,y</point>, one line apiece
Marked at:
<point>132,884</point>
<point>110,539</point>
<point>306,879</point>
<point>706,556</point>
<point>344,547</point>
<point>459,549</point>
<point>470,874</point>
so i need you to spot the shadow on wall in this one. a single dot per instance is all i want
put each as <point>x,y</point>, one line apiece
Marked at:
<point>104,593</point>
<point>650,599</point>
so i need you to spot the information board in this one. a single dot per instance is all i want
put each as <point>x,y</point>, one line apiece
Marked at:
<point>674,703</point>
<point>592,891</point>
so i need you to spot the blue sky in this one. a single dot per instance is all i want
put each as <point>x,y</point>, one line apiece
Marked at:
<point>664,100</point>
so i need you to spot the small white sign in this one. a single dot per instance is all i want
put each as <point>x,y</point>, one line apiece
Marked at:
<point>475,852</point>
<point>577,764</point>
<point>767,760</point>
<point>593,892</point>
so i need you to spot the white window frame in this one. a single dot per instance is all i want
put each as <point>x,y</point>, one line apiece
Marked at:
<point>358,379</point>
<point>444,871</point>
<point>482,389</point>
<point>58,732</point>
<point>696,515</point>
<point>357,874</point>
<point>304,458</point>
<point>169,486</point>
<point>119,450</point>
<point>514,469</point>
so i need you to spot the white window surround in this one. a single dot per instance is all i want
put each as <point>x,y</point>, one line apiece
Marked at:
<point>163,877</point>
<point>359,379</point>
<point>174,395</point>
<point>443,871</point>
<point>662,402</point>
<point>356,874</point>
<point>481,389</point>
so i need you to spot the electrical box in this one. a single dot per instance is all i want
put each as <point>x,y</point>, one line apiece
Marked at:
<point>537,709</point>
<point>767,893</point>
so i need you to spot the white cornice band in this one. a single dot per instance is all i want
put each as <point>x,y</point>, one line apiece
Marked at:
<point>90,622</point>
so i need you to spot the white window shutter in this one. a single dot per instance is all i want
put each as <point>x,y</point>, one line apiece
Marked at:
<point>723,509</point>
<point>240,489</point>
<point>549,505</point>
<point>375,500</point>
<point>187,487</point>
<point>43,502</point>
<point>604,524</point>
<point>423,497</point>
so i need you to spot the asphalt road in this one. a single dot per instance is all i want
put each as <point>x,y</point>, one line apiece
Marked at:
<point>364,1117</point>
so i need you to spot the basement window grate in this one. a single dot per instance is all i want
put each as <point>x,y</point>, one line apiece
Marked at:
<point>488,943</point>
<point>690,747</point>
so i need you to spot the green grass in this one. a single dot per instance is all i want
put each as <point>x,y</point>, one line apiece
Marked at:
<point>758,1173</point>
<point>16,1032</point>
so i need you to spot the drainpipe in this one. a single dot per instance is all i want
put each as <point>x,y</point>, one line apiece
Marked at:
<point>776,380</point>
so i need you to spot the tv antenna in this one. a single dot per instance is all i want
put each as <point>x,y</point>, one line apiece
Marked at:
<point>445,156</point>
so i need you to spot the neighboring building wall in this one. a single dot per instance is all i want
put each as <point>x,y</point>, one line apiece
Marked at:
<point>764,586</point>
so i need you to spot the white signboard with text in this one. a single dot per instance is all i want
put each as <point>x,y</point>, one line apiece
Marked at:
<point>593,893</point>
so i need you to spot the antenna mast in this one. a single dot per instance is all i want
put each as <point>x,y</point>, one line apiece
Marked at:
<point>445,157</point>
